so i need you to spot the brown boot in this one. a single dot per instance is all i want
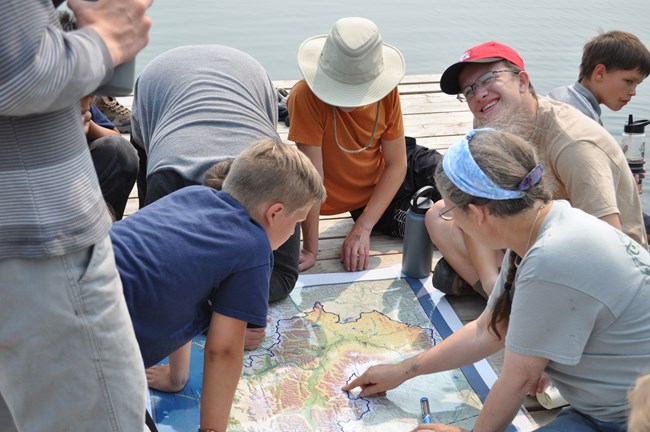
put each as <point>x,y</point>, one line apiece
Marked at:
<point>446,279</point>
<point>118,114</point>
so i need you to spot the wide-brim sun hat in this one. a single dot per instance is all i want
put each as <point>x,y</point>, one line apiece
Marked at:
<point>487,52</point>
<point>351,66</point>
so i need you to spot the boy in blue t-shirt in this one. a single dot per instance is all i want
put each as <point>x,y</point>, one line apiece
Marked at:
<point>201,258</point>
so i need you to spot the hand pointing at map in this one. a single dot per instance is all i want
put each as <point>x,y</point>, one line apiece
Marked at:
<point>378,379</point>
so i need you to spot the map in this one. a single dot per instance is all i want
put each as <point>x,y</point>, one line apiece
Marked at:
<point>330,330</point>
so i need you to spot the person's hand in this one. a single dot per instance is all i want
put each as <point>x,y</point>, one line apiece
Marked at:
<point>87,118</point>
<point>307,260</point>
<point>438,428</point>
<point>638,178</point>
<point>122,24</point>
<point>356,249</point>
<point>86,115</point>
<point>377,380</point>
<point>160,378</point>
<point>254,337</point>
<point>540,385</point>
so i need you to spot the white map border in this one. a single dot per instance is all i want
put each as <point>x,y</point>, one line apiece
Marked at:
<point>521,421</point>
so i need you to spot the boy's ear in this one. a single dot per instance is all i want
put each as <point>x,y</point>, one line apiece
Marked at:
<point>599,73</point>
<point>272,211</point>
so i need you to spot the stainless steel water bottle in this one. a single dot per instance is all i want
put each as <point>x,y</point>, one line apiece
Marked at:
<point>417,249</point>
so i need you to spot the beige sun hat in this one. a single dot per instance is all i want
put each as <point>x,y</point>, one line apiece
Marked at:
<point>351,66</point>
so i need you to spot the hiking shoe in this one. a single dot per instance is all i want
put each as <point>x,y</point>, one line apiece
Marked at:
<point>117,113</point>
<point>446,279</point>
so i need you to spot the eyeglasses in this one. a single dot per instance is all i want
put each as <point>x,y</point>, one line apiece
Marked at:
<point>484,81</point>
<point>445,215</point>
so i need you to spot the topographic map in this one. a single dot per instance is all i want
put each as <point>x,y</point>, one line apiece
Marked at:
<point>328,332</point>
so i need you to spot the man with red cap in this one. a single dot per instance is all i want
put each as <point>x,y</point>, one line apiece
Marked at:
<point>581,159</point>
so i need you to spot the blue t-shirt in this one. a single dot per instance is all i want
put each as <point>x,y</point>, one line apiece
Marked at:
<point>99,118</point>
<point>190,253</point>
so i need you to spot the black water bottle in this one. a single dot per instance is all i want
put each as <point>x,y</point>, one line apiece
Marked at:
<point>417,249</point>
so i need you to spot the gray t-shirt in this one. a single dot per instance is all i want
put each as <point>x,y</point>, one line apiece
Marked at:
<point>581,300</point>
<point>580,97</point>
<point>197,105</point>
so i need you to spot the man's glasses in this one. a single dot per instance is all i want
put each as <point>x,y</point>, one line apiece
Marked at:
<point>445,213</point>
<point>484,81</point>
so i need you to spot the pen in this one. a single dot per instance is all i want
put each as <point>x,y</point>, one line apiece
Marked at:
<point>424,407</point>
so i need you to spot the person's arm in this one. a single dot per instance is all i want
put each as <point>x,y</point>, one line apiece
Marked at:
<point>471,343</point>
<point>519,374</point>
<point>309,226</point>
<point>356,247</point>
<point>95,131</point>
<point>223,361</point>
<point>173,376</point>
<point>614,220</point>
<point>585,170</point>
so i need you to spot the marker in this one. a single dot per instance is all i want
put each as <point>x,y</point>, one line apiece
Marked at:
<point>424,407</point>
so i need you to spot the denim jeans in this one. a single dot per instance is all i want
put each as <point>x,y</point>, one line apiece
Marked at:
<point>69,360</point>
<point>570,420</point>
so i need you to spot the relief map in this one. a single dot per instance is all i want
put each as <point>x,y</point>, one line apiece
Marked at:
<point>320,338</point>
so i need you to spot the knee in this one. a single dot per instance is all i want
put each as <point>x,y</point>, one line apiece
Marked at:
<point>281,285</point>
<point>436,226</point>
<point>114,148</point>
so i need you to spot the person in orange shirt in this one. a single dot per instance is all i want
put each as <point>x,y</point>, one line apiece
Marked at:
<point>345,115</point>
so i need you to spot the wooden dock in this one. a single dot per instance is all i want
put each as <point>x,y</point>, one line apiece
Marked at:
<point>436,120</point>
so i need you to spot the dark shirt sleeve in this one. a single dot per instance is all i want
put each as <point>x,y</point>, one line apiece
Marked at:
<point>100,119</point>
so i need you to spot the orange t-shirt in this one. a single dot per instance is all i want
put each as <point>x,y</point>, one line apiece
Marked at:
<point>349,179</point>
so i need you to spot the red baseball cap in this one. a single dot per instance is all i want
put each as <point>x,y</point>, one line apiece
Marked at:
<point>487,52</point>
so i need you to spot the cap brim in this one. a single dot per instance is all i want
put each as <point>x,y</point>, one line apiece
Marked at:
<point>449,79</point>
<point>339,94</point>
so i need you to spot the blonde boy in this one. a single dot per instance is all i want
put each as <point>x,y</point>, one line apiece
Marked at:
<point>201,258</point>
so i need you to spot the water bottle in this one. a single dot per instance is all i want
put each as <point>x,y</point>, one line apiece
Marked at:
<point>121,84</point>
<point>417,250</point>
<point>633,143</point>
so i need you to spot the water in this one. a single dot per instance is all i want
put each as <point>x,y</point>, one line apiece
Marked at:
<point>431,34</point>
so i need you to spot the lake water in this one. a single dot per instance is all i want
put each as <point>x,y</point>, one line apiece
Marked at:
<point>431,34</point>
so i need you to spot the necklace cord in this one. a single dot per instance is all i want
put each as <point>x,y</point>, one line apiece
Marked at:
<point>530,235</point>
<point>372,135</point>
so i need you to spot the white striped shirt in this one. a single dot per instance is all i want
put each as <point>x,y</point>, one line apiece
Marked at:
<point>50,200</point>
